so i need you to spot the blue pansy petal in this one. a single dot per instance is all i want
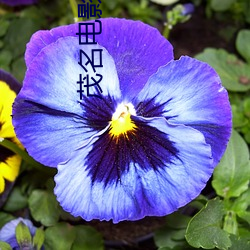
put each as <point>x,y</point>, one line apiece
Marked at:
<point>48,104</point>
<point>52,140</point>
<point>43,38</point>
<point>52,77</point>
<point>135,49</point>
<point>173,173</point>
<point>49,135</point>
<point>189,92</point>
<point>18,2</point>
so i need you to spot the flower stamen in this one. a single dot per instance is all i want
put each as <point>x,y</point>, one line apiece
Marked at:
<point>121,121</point>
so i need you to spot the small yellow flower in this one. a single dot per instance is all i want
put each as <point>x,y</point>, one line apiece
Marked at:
<point>9,161</point>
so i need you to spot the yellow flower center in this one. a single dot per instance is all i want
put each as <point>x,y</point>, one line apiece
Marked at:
<point>121,122</point>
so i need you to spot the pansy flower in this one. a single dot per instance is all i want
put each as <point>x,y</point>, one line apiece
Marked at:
<point>18,2</point>
<point>8,232</point>
<point>146,146</point>
<point>9,161</point>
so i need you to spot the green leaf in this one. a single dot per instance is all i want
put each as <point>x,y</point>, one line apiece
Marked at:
<point>247,135</point>
<point>44,207</point>
<point>246,107</point>
<point>221,5</point>
<point>234,74</point>
<point>38,239</point>
<point>34,13</point>
<point>242,44</point>
<point>4,24</point>
<point>242,202</point>
<point>231,176</point>
<point>246,11</point>
<point>23,235</point>
<point>241,205</point>
<point>55,8</point>
<point>33,180</point>
<point>87,238</point>
<point>15,42</point>
<point>239,119</point>
<point>204,229</point>
<point>19,68</point>
<point>5,218</point>
<point>168,237</point>
<point>239,244</point>
<point>5,246</point>
<point>245,215</point>
<point>177,220</point>
<point>173,234</point>
<point>61,236</point>
<point>16,200</point>
<point>244,233</point>
<point>1,44</point>
<point>230,224</point>
<point>5,58</point>
<point>175,248</point>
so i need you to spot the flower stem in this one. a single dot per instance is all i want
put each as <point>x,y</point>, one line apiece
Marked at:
<point>25,156</point>
<point>74,8</point>
<point>166,31</point>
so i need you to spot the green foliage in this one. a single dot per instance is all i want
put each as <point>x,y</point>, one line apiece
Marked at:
<point>16,201</point>
<point>23,235</point>
<point>61,236</point>
<point>4,24</point>
<point>231,176</point>
<point>87,238</point>
<point>173,17</point>
<point>173,234</point>
<point>38,239</point>
<point>44,207</point>
<point>5,59</point>
<point>241,206</point>
<point>240,109</point>
<point>235,76</point>
<point>221,5</point>
<point>23,26</point>
<point>234,73</point>
<point>64,236</point>
<point>239,244</point>
<point>242,44</point>
<point>135,9</point>
<point>16,29</point>
<point>5,218</point>
<point>237,10</point>
<point>5,246</point>
<point>204,229</point>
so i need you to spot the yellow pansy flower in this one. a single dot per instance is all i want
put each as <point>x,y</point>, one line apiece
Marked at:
<point>9,161</point>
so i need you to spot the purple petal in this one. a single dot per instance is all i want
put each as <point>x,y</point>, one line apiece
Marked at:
<point>131,182</point>
<point>188,9</point>
<point>134,46</point>
<point>18,2</point>
<point>10,80</point>
<point>48,113</point>
<point>189,92</point>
